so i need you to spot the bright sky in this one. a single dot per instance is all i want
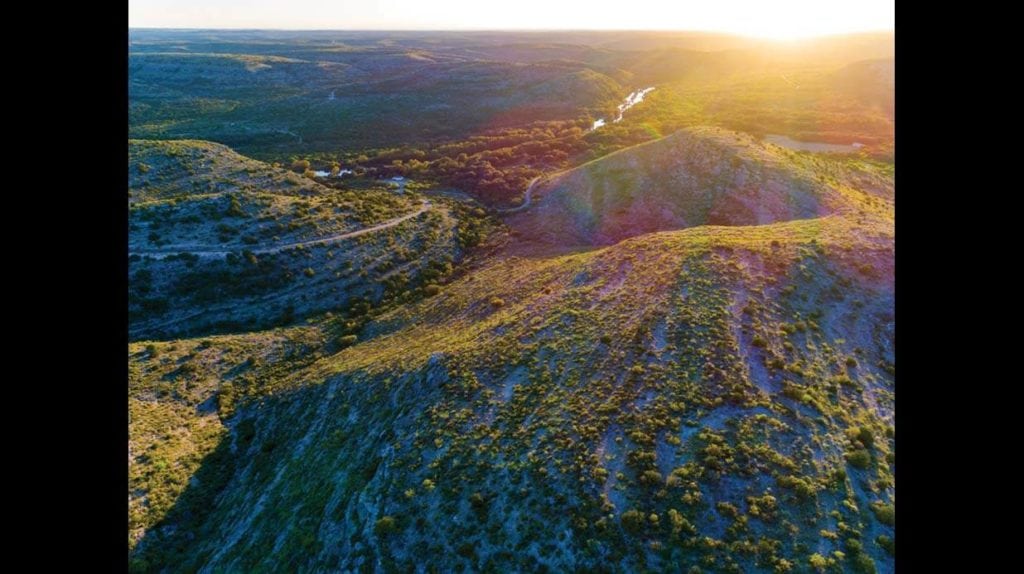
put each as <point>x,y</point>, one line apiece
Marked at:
<point>766,18</point>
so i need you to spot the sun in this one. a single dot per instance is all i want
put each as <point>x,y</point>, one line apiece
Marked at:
<point>782,20</point>
<point>781,29</point>
<point>786,27</point>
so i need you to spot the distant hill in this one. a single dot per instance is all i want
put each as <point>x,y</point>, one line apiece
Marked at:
<point>180,168</point>
<point>268,93</point>
<point>698,176</point>
<point>274,103</point>
<point>873,81</point>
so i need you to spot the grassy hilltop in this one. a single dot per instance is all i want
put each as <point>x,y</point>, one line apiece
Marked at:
<point>700,176</point>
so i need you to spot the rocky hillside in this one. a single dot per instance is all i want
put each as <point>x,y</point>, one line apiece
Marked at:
<point>221,242</point>
<point>183,168</point>
<point>714,393</point>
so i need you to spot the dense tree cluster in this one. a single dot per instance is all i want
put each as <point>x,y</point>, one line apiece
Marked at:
<point>497,166</point>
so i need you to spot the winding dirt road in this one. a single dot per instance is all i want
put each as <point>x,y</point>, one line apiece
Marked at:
<point>213,252</point>
<point>526,200</point>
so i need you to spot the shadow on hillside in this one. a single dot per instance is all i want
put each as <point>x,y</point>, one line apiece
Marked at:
<point>179,542</point>
<point>170,543</point>
<point>231,503</point>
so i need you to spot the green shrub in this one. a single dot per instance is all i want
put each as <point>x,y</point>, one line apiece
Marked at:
<point>633,521</point>
<point>235,208</point>
<point>763,506</point>
<point>844,381</point>
<point>308,272</point>
<point>863,564</point>
<point>727,509</point>
<point>792,390</point>
<point>885,513</point>
<point>226,400</point>
<point>347,340</point>
<point>859,458</point>
<point>680,523</point>
<point>859,560</point>
<point>479,503</point>
<point>887,543</point>
<point>803,488</point>
<point>431,290</point>
<point>866,437</point>
<point>385,526</point>
<point>651,478</point>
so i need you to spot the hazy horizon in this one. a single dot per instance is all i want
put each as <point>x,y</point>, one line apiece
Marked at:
<point>786,19</point>
<point>517,30</point>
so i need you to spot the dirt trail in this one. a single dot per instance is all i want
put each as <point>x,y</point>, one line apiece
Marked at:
<point>167,251</point>
<point>526,200</point>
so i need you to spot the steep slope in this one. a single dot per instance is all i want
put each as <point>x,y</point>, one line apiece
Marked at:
<point>698,176</point>
<point>716,397</point>
<point>221,242</point>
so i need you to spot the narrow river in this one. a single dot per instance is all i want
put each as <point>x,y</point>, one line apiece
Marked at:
<point>631,100</point>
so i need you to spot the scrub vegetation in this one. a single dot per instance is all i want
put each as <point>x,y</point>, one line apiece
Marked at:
<point>678,357</point>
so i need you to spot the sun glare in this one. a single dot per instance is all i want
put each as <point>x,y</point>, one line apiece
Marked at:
<point>782,20</point>
<point>775,19</point>
<point>783,30</point>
